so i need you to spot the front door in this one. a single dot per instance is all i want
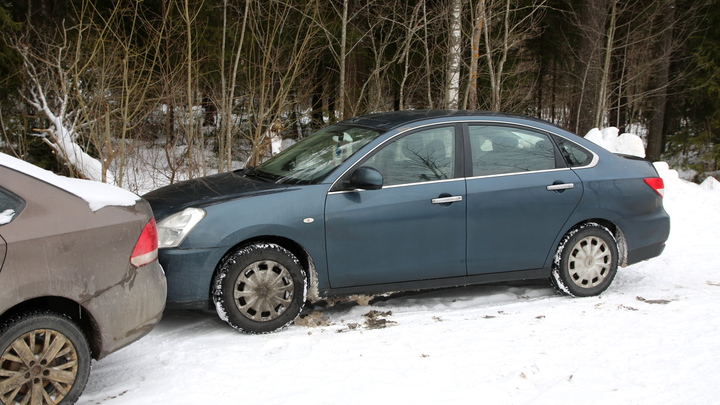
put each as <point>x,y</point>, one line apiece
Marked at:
<point>411,229</point>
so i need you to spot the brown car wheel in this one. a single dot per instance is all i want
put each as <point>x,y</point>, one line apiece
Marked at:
<point>259,288</point>
<point>45,359</point>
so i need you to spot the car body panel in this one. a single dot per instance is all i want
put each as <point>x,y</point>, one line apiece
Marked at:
<point>3,251</point>
<point>515,213</point>
<point>294,213</point>
<point>506,227</point>
<point>209,190</point>
<point>433,235</point>
<point>58,247</point>
<point>635,208</point>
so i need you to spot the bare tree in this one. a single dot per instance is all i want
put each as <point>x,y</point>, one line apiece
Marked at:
<point>47,68</point>
<point>113,92</point>
<point>660,81</point>
<point>471,99</point>
<point>193,136</point>
<point>76,81</point>
<point>228,81</point>
<point>503,27</point>
<point>282,42</point>
<point>592,18</point>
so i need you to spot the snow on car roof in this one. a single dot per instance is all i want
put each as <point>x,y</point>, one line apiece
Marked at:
<point>97,195</point>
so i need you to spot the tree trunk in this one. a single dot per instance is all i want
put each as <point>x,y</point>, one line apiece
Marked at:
<point>343,57</point>
<point>660,82</point>
<point>588,74</point>
<point>317,98</point>
<point>600,106</point>
<point>452,91</point>
<point>471,94</point>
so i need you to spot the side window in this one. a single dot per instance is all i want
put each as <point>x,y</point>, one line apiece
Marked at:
<point>10,206</point>
<point>500,150</point>
<point>422,156</point>
<point>574,154</point>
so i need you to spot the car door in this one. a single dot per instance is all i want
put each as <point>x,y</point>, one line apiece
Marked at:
<point>411,229</point>
<point>519,197</point>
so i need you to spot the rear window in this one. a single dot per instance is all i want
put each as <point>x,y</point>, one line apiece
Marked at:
<point>574,154</point>
<point>10,206</point>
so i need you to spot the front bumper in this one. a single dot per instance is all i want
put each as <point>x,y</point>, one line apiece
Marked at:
<point>189,275</point>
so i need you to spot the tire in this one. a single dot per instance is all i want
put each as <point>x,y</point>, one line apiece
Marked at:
<point>26,375</point>
<point>586,261</point>
<point>259,288</point>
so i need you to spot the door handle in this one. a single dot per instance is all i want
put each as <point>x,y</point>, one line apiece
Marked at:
<point>447,200</point>
<point>561,186</point>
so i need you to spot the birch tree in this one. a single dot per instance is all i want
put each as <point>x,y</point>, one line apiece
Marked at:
<point>454,57</point>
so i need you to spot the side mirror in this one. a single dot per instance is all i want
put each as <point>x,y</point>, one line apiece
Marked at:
<point>366,178</point>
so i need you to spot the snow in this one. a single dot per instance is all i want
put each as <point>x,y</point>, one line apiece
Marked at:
<point>6,216</point>
<point>652,337</point>
<point>710,184</point>
<point>609,139</point>
<point>96,194</point>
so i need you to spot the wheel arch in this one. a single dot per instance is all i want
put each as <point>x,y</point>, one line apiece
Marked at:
<point>613,228</point>
<point>64,306</point>
<point>292,246</point>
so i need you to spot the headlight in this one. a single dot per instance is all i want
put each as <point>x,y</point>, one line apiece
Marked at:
<point>173,229</point>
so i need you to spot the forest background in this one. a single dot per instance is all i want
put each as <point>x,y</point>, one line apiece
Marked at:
<point>185,88</point>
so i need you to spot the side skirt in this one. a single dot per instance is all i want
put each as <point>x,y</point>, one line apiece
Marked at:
<point>437,283</point>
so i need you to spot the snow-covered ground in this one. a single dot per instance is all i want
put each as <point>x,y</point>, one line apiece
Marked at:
<point>652,338</point>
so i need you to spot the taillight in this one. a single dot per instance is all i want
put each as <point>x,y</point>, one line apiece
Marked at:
<point>146,248</point>
<point>657,184</point>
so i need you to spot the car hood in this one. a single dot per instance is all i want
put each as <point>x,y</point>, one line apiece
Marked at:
<point>207,190</point>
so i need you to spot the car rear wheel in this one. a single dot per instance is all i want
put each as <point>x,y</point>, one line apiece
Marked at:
<point>586,261</point>
<point>259,288</point>
<point>45,359</point>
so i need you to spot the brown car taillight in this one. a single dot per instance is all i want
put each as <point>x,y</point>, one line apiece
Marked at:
<point>146,248</point>
<point>657,184</point>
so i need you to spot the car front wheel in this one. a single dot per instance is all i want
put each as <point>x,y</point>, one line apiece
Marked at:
<point>45,359</point>
<point>259,288</point>
<point>586,261</point>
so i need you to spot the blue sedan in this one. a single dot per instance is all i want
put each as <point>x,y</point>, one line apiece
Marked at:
<point>403,201</point>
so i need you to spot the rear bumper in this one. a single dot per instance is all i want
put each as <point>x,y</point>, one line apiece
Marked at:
<point>128,310</point>
<point>647,252</point>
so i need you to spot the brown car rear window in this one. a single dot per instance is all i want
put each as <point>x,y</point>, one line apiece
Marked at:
<point>9,201</point>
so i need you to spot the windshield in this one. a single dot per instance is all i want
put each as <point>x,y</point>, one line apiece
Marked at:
<point>309,160</point>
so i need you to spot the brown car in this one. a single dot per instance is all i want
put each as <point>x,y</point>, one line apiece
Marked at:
<point>79,279</point>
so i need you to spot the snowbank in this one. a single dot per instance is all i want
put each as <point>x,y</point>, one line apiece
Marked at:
<point>97,195</point>
<point>710,184</point>
<point>608,138</point>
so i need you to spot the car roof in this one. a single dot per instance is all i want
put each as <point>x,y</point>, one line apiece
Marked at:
<point>395,119</point>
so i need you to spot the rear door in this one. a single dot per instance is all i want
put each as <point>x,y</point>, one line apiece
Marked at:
<point>519,197</point>
<point>411,229</point>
